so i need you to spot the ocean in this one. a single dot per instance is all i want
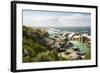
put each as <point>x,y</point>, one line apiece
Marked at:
<point>55,30</point>
<point>74,29</point>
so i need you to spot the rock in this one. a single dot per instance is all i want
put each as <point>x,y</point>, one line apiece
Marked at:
<point>74,55</point>
<point>76,49</point>
<point>69,44</point>
<point>82,55</point>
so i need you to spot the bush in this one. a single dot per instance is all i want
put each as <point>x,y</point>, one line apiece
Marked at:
<point>33,43</point>
<point>46,56</point>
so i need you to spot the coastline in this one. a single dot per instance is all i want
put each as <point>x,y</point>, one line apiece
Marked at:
<point>64,42</point>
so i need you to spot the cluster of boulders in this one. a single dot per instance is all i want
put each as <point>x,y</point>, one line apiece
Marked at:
<point>63,44</point>
<point>74,53</point>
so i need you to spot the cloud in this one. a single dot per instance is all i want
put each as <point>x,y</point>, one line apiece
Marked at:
<point>76,20</point>
<point>53,22</point>
<point>56,20</point>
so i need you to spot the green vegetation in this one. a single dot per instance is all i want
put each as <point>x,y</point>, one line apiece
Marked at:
<point>34,49</point>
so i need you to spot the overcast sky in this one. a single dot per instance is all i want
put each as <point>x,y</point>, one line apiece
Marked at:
<point>55,19</point>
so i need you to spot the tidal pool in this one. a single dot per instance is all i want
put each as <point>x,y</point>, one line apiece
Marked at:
<point>83,48</point>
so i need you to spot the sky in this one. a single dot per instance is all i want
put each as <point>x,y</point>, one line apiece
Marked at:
<point>55,19</point>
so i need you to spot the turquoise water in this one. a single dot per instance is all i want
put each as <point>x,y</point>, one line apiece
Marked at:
<point>82,47</point>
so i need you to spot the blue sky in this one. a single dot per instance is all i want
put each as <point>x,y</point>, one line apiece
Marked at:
<point>55,19</point>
